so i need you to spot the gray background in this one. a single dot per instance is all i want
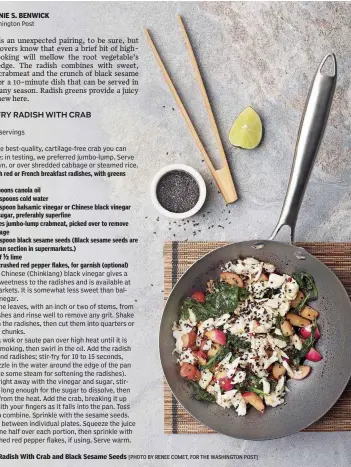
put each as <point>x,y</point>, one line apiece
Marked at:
<point>258,54</point>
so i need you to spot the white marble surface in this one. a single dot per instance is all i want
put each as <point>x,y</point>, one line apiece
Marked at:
<point>259,54</point>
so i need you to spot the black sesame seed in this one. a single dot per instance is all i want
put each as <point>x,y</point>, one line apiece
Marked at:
<point>178,191</point>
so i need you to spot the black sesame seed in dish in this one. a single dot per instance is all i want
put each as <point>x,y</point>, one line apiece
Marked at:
<point>177,191</point>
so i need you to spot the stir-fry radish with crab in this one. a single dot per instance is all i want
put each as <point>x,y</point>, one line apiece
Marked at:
<point>239,341</point>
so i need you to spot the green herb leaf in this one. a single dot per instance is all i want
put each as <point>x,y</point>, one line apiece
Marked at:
<point>298,355</point>
<point>200,394</point>
<point>279,321</point>
<point>273,384</point>
<point>296,360</point>
<point>278,324</point>
<point>236,343</point>
<point>184,311</point>
<point>202,311</point>
<point>258,391</point>
<point>254,380</point>
<point>308,286</point>
<point>303,302</point>
<point>233,345</point>
<point>243,294</point>
<point>219,356</point>
<point>242,387</point>
<point>309,341</point>
<point>224,299</point>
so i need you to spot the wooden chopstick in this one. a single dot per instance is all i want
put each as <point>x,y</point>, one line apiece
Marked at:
<point>203,91</point>
<point>222,176</point>
<point>180,103</point>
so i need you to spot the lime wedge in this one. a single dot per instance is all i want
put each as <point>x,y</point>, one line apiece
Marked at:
<point>246,131</point>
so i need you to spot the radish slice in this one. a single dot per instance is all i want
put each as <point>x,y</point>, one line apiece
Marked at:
<point>313,355</point>
<point>306,332</point>
<point>226,384</point>
<point>216,336</point>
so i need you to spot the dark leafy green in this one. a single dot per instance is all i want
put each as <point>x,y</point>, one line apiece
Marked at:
<point>202,311</point>
<point>242,387</point>
<point>184,309</point>
<point>219,356</point>
<point>278,324</point>
<point>269,293</point>
<point>308,286</point>
<point>298,355</point>
<point>200,394</point>
<point>300,306</point>
<point>223,299</point>
<point>279,321</point>
<point>251,383</point>
<point>306,283</point>
<point>273,384</point>
<point>253,380</point>
<point>258,391</point>
<point>243,294</point>
<point>235,343</point>
<point>286,339</point>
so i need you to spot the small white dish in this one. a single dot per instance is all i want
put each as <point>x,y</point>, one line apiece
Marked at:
<point>182,168</point>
